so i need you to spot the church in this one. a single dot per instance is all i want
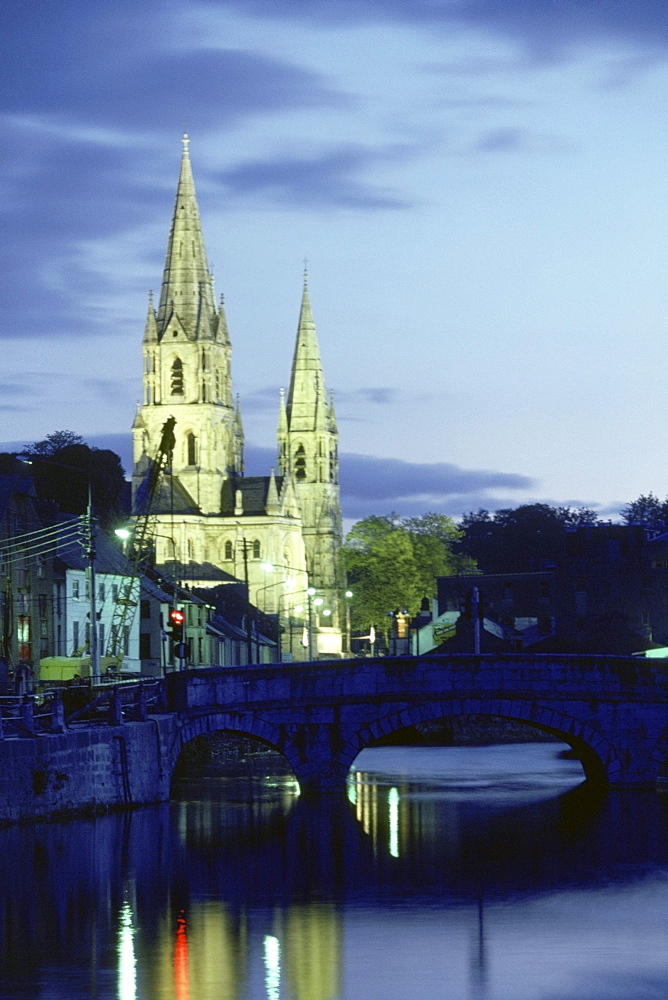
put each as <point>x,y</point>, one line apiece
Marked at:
<point>279,533</point>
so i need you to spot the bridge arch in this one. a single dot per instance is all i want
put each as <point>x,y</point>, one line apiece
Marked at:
<point>598,756</point>
<point>243,724</point>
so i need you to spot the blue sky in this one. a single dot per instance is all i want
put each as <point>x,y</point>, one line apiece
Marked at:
<point>480,189</point>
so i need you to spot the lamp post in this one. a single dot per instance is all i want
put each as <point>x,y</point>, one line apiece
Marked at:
<point>294,582</point>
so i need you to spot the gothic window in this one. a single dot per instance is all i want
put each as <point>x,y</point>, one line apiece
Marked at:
<point>191,550</point>
<point>300,462</point>
<point>177,377</point>
<point>332,466</point>
<point>203,361</point>
<point>204,392</point>
<point>256,549</point>
<point>228,550</point>
<point>191,449</point>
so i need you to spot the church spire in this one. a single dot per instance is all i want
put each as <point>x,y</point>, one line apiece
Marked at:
<point>307,395</point>
<point>187,285</point>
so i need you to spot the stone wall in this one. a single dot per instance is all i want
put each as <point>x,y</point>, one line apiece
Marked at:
<point>86,770</point>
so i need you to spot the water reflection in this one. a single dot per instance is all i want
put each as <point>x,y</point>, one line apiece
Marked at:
<point>435,887</point>
<point>127,979</point>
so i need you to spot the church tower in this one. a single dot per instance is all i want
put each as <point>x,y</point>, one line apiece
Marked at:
<point>187,364</point>
<point>308,452</point>
<point>278,533</point>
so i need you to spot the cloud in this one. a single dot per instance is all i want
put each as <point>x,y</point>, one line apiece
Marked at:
<point>371,485</point>
<point>545,29</point>
<point>378,395</point>
<point>206,87</point>
<point>330,178</point>
<point>510,139</point>
<point>393,479</point>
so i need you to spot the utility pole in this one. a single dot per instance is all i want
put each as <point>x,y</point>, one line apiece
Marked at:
<point>475,612</point>
<point>89,548</point>
<point>249,629</point>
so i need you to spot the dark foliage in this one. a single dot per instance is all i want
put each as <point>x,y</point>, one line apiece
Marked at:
<point>521,539</point>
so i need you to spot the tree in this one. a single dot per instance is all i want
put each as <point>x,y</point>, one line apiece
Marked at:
<point>63,471</point>
<point>393,562</point>
<point>53,443</point>
<point>520,539</point>
<point>647,510</point>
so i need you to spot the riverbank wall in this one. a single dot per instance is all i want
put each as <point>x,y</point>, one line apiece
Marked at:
<point>86,770</point>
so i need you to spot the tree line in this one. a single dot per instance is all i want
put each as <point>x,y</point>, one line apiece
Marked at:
<point>393,562</point>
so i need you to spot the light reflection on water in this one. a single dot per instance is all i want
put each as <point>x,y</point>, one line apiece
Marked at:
<point>467,873</point>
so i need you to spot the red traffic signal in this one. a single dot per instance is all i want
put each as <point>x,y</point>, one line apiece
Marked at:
<point>176,621</point>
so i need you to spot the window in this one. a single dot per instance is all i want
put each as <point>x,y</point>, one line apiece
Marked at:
<point>191,448</point>
<point>75,589</point>
<point>75,636</point>
<point>256,549</point>
<point>300,462</point>
<point>41,602</point>
<point>102,593</point>
<point>228,550</point>
<point>145,609</point>
<point>41,567</point>
<point>177,377</point>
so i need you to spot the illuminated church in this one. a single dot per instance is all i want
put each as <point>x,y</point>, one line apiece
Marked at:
<point>281,533</point>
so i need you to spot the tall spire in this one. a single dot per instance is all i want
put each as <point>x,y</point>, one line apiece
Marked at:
<point>307,394</point>
<point>187,285</point>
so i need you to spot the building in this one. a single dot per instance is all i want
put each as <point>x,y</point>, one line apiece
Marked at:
<point>26,581</point>
<point>279,533</point>
<point>604,591</point>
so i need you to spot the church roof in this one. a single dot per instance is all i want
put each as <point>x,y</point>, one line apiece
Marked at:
<point>173,498</point>
<point>254,494</point>
<point>196,571</point>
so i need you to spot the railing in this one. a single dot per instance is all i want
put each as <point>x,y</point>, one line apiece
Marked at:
<point>59,709</point>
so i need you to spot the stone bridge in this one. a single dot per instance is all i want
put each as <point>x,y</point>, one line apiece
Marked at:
<point>613,711</point>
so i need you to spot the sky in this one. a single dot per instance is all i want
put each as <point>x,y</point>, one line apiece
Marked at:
<point>479,188</point>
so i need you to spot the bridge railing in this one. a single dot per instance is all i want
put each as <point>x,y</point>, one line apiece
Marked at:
<point>55,711</point>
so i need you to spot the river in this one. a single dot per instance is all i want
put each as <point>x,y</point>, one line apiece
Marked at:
<point>471,873</point>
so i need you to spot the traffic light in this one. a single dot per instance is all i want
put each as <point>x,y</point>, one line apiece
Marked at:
<point>176,622</point>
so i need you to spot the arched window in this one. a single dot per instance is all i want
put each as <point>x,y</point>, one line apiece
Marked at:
<point>256,549</point>
<point>191,449</point>
<point>177,377</point>
<point>191,550</point>
<point>228,549</point>
<point>300,462</point>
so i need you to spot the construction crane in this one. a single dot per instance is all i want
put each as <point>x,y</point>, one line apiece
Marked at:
<point>141,549</point>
